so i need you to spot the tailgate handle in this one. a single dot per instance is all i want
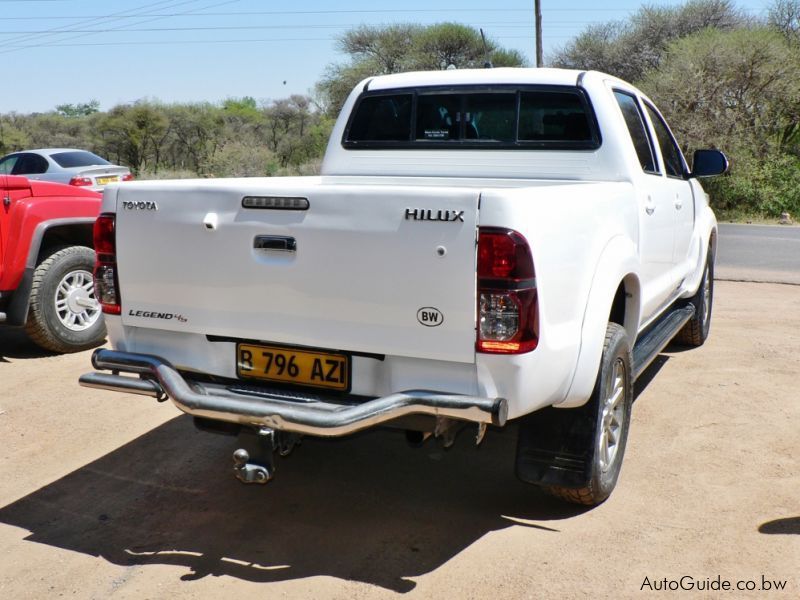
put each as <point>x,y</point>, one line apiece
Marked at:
<point>278,243</point>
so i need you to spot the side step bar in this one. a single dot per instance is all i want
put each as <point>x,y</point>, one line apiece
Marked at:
<point>657,336</point>
<point>159,379</point>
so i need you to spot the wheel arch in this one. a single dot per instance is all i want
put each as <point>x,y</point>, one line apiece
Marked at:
<point>48,236</point>
<point>59,233</point>
<point>614,296</point>
<point>712,242</point>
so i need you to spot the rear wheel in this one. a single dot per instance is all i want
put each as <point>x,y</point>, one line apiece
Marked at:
<point>576,454</point>
<point>610,405</point>
<point>64,314</point>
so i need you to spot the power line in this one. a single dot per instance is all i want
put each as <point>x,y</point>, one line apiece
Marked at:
<point>245,41</point>
<point>60,30</point>
<point>99,20</point>
<point>313,12</point>
<point>504,24</point>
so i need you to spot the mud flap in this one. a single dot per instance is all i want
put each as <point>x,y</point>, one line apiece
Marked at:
<point>17,313</point>
<point>554,447</point>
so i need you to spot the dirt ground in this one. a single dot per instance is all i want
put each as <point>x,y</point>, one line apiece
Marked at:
<point>111,496</point>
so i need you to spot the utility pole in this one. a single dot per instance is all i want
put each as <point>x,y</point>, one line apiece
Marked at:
<point>537,9</point>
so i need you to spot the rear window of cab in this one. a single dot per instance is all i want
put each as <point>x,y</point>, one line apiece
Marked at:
<point>546,117</point>
<point>78,158</point>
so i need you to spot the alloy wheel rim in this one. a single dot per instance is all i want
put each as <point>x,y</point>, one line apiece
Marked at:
<point>76,307</point>
<point>613,417</point>
<point>706,294</point>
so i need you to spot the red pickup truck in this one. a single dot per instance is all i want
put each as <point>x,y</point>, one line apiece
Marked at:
<point>46,262</point>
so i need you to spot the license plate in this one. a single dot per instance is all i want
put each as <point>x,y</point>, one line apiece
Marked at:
<point>105,180</point>
<point>290,365</point>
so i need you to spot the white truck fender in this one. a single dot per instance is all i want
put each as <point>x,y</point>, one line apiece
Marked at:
<point>706,226</point>
<point>618,264</point>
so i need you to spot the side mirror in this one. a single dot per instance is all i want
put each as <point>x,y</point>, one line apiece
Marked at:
<point>707,163</point>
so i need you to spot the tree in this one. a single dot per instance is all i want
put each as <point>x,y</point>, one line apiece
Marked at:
<point>630,49</point>
<point>785,16</point>
<point>132,134</point>
<point>718,87</point>
<point>449,44</point>
<point>738,91</point>
<point>12,138</point>
<point>78,110</point>
<point>386,48</point>
<point>406,47</point>
<point>196,133</point>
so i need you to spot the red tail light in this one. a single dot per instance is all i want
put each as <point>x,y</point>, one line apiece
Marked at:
<point>508,320</point>
<point>106,281</point>
<point>127,177</point>
<point>80,181</point>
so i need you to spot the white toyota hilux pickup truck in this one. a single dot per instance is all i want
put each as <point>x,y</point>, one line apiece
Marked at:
<point>483,247</point>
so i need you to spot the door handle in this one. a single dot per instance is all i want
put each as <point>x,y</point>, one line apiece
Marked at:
<point>277,243</point>
<point>649,206</point>
<point>678,202</point>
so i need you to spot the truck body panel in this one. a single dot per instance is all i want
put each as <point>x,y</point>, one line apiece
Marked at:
<point>456,213</point>
<point>32,207</point>
<point>366,260</point>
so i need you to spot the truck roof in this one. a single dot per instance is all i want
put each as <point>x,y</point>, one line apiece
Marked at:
<point>503,75</point>
<point>610,160</point>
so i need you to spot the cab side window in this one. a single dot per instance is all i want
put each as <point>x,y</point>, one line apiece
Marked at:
<point>7,164</point>
<point>29,164</point>
<point>638,132</point>
<point>673,159</point>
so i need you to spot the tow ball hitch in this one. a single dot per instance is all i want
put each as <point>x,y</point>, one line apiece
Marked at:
<point>251,472</point>
<point>254,461</point>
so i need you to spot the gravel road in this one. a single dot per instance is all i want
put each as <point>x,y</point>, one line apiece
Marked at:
<point>105,496</point>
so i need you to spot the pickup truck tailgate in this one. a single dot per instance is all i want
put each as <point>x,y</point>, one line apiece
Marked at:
<point>365,268</point>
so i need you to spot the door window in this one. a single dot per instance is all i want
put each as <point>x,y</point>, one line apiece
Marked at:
<point>638,132</point>
<point>7,164</point>
<point>673,159</point>
<point>29,164</point>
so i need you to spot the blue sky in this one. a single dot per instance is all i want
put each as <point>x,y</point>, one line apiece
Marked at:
<point>73,51</point>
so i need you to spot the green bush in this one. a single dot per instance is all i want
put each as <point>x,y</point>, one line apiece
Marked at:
<point>764,186</point>
<point>167,174</point>
<point>236,159</point>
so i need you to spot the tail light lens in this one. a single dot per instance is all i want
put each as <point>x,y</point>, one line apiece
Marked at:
<point>106,280</point>
<point>80,181</point>
<point>508,321</point>
<point>127,177</point>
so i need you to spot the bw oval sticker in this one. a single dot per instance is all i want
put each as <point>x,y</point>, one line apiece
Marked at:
<point>430,316</point>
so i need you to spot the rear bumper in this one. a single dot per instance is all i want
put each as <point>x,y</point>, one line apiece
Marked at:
<point>159,379</point>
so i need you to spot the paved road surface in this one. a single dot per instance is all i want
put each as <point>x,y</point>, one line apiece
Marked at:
<point>759,253</point>
<point>105,495</point>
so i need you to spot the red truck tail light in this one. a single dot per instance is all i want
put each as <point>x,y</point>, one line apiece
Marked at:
<point>106,280</point>
<point>80,181</point>
<point>508,320</point>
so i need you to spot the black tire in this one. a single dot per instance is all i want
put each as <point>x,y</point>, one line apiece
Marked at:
<point>55,321</point>
<point>610,409</point>
<point>695,332</point>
